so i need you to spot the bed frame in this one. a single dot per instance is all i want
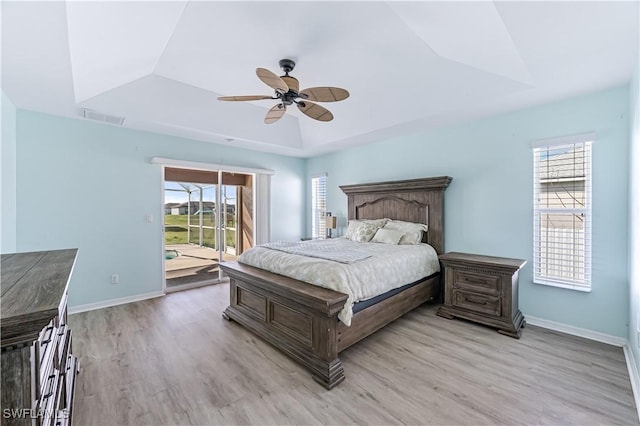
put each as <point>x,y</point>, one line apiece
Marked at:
<point>301,319</point>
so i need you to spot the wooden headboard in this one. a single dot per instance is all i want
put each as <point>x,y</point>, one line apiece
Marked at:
<point>413,200</point>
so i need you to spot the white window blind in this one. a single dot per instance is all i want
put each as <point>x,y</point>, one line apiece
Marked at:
<point>318,206</point>
<point>562,212</point>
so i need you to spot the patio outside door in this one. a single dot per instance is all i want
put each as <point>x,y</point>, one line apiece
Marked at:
<point>203,226</point>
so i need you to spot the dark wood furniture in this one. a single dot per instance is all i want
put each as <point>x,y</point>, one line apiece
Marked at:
<point>38,367</point>
<point>483,289</point>
<point>302,319</point>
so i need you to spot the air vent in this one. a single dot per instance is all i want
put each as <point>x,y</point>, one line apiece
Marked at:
<point>98,116</point>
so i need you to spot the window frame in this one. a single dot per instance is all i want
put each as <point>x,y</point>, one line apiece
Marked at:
<point>318,213</point>
<point>573,283</point>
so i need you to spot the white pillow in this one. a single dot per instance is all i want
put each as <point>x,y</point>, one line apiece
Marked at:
<point>412,232</point>
<point>387,236</point>
<point>352,229</point>
<point>354,224</point>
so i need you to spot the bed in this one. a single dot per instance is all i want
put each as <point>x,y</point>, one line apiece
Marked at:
<point>301,319</point>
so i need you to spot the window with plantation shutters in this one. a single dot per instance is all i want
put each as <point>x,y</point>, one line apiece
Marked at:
<point>562,212</point>
<point>318,206</point>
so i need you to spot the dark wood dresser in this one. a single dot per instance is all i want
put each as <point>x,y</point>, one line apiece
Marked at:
<point>38,367</point>
<point>483,289</point>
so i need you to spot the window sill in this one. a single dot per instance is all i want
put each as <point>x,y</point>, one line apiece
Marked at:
<point>575,287</point>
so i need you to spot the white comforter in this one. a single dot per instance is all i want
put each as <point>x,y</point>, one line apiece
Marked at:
<point>389,267</point>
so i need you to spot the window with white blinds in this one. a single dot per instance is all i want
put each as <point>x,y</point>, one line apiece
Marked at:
<point>562,212</point>
<point>318,206</point>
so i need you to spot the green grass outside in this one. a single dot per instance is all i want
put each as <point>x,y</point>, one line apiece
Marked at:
<point>175,230</point>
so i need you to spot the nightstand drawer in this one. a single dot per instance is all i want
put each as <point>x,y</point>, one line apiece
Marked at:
<point>476,281</point>
<point>477,302</point>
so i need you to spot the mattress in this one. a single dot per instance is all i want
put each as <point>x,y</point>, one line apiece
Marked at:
<point>385,267</point>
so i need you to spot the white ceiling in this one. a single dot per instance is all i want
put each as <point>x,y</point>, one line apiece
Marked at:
<point>409,66</point>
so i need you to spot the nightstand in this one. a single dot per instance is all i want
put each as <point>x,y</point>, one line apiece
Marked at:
<point>483,289</point>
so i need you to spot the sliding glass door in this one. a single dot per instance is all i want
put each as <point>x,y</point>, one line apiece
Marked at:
<point>203,225</point>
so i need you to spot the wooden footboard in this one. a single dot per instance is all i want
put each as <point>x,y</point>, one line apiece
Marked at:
<point>298,318</point>
<point>302,319</point>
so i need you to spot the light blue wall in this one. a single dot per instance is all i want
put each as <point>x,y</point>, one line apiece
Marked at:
<point>8,176</point>
<point>89,185</point>
<point>634,216</point>
<point>489,203</point>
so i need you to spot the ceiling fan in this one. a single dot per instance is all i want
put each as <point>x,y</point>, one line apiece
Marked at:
<point>287,92</point>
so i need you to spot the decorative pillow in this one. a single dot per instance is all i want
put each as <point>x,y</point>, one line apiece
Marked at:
<point>387,236</point>
<point>365,232</point>
<point>352,228</point>
<point>354,224</point>
<point>412,232</point>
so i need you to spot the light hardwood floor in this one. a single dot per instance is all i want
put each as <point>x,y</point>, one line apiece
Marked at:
<point>174,360</point>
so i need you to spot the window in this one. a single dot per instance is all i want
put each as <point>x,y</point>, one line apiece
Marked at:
<point>562,212</point>
<point>318,206</point>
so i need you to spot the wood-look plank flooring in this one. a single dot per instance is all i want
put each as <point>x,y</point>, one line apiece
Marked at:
<point>174,361</point>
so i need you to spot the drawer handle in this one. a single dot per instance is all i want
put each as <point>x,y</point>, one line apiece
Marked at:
<point>476,301</point>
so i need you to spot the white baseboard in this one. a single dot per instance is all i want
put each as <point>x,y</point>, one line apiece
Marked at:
<point>113,302</point>
<point>633,375</point>
<point>576,331</point>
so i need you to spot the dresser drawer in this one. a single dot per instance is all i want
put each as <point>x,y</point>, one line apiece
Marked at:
<point>477,302</point>
<point>47,347</point>
<point>476,281</point>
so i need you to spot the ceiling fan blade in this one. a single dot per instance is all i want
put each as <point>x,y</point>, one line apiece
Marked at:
<point>272,80</point>
<point>275,113</point>
<point>315,111</point>
<point>244,98</point>
<point>324,94</point>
